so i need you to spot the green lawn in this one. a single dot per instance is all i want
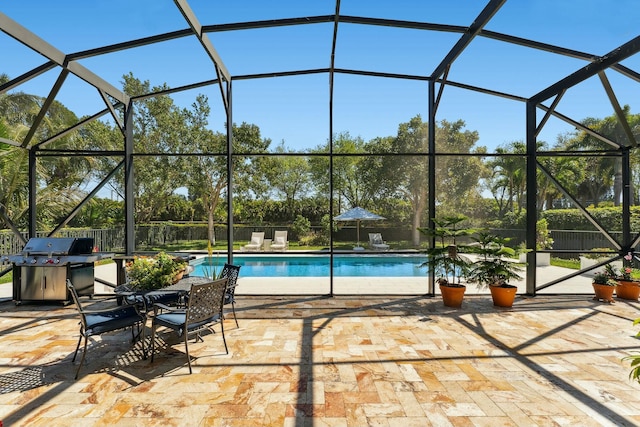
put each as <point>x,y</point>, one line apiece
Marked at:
<point>566,263</point>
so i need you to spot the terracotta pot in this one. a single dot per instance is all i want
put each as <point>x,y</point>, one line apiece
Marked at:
<point>504,295</point>
<point>628,289</point>
<point>603,292</point>
<point>452,295</point>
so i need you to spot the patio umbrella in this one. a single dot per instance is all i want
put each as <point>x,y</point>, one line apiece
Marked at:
<point>357,214</point>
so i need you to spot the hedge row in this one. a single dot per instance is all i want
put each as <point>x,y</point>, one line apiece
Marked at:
<point>573,219</point>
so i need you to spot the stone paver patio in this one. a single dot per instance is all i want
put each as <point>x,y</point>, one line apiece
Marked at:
<point>341,361</point>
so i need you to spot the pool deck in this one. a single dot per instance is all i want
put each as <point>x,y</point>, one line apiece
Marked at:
<point>358,285</point>
<point>352,361</point>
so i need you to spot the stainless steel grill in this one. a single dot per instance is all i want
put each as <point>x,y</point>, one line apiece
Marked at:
<point>41,270</point>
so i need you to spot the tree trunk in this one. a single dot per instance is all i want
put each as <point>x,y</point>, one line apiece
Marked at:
<point>415,233</point>
<point>210,228</point>
<point>421,204</point>
<point>617,183</point>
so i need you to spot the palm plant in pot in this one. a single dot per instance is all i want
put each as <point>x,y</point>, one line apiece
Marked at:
<point>445,259</point>
<point>495,267</point>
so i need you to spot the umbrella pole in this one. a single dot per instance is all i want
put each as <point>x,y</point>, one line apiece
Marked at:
<point>358,233</point>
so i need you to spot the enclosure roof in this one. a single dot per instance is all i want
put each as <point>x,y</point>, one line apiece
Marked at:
<point>339,54</point>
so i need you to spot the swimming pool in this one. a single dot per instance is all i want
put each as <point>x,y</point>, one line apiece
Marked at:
<point>317,266</point>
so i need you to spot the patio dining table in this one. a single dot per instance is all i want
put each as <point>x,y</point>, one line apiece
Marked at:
<point>146,299</point>
<point>184,284</point>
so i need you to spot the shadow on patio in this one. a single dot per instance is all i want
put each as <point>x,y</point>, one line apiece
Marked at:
<point>303,360</point>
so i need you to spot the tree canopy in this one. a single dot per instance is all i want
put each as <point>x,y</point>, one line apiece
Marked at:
<point>181,168</point>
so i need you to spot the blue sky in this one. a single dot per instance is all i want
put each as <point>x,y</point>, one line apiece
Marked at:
<point>295,109</point>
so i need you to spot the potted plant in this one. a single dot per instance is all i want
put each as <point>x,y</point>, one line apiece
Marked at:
<point>495,267</point>
<point>604,285</point>
<point>147,273</point>
<point>209,268</point>
<point>628,284</point>
<point>445,258</point>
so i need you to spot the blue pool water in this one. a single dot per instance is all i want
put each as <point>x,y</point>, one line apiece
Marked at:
<point>315,266</point>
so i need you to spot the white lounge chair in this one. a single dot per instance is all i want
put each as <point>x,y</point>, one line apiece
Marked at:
<point>376,243</point>
<point>257,239</point>
<point>280,242</point>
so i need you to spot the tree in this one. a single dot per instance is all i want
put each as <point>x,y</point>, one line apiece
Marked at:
<point>100,213</point>
<point>59,179</point>
<point>159,128</point>
<point>603,174</point>
<point>207,178</point>
<point>16,113</point>
<point>568,171</point>
<point>351,184</point>
<point>405,172</point>
<point>289,176</point>
<point>456,174</point>
<point>508,180</point>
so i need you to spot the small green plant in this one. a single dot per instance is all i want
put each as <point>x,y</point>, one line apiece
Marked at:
<point>634,359</point>
<point>610,271</point>
<point>543,236</point>
<point>603,278</point>
<point>150,273</point>
<point>522,248</point>
<point>210,269</point>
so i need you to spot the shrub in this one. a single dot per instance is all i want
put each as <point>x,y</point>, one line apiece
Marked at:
<point>149,273</point>
<point>301,226</point>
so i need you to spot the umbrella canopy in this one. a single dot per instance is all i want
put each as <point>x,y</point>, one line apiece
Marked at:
<point>357,214</point>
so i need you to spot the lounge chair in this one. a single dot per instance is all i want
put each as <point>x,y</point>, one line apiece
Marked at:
<point>376,243</point>
<point>280,242</point>
<point>257,239</point>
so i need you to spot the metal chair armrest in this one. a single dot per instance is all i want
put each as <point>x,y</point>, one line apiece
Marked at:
<point>160,306</point>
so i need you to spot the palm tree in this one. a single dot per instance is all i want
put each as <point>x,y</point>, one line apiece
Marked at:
<point>508,182</point>
<point>603,174</point>
<point>59,178</point>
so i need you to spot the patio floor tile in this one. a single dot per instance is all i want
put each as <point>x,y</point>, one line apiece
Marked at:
<point>341,361</point>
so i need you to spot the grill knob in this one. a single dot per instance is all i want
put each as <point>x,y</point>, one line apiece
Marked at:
<point>33,261</point>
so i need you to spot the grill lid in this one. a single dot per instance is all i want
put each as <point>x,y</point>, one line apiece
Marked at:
<point>58,246</point>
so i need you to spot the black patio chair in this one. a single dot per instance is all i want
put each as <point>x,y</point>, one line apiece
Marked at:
<point>231,272</point>
<point>204,309</point>
<point>97,322</point>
